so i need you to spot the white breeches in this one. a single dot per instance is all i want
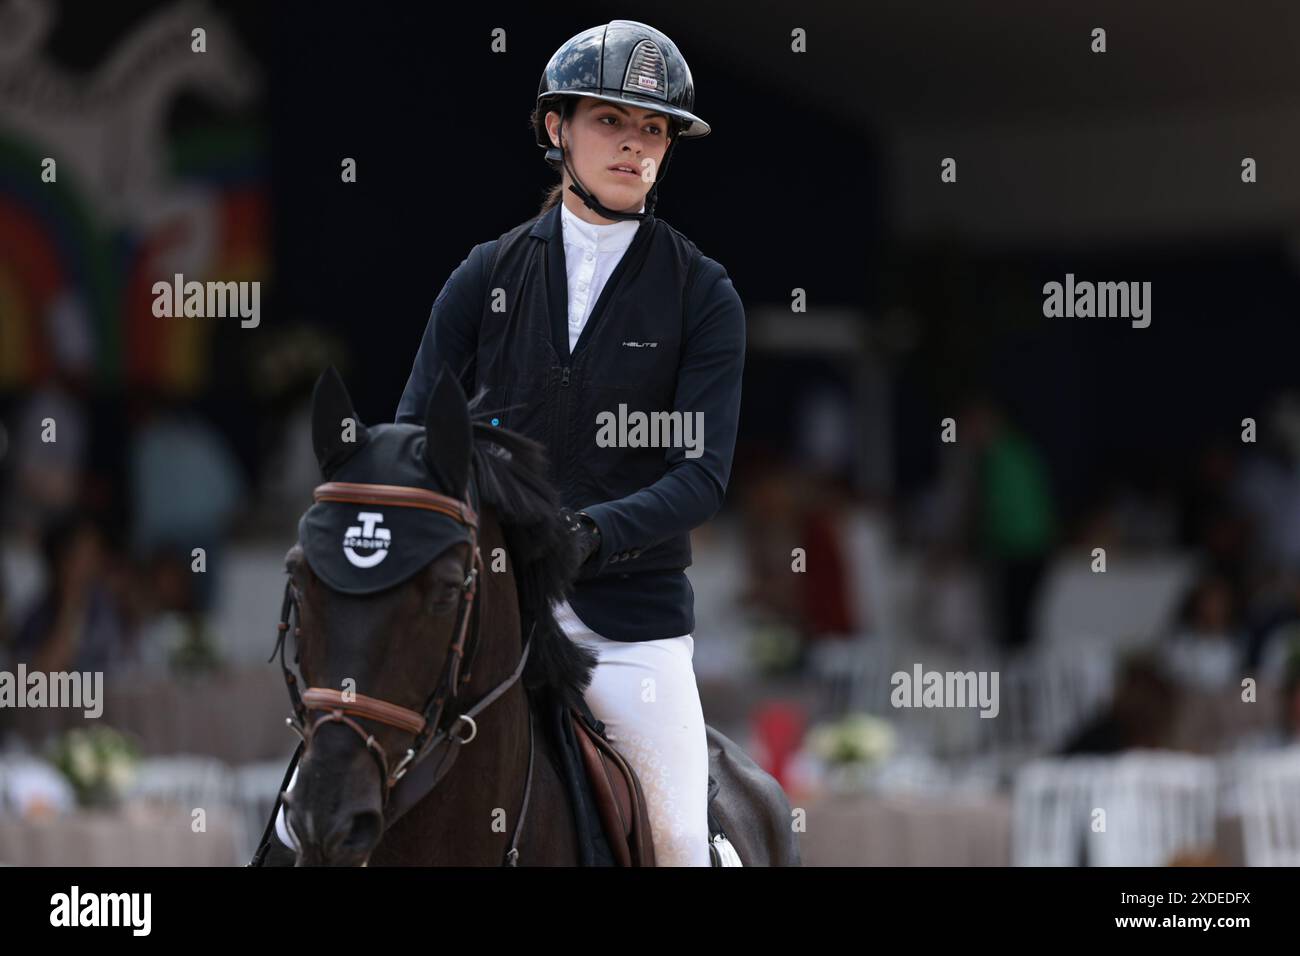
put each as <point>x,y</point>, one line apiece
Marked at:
<point>645,694</point>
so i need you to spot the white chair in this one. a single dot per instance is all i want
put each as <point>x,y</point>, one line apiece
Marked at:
<point>1047,695</point>
<point>873,566</point>
<point>854,673</point>
<point>1017,727</point>
<point>1267,791</point>
<point>1074,683</point>
<point>186,781</point>
<point>1051,811</point>
<point>1157,806</point>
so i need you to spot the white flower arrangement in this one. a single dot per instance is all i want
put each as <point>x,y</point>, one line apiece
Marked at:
<point>858,739</point>
<point>98,762</point>
<point>846,754</point>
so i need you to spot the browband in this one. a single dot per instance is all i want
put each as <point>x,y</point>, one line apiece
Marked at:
<point>399,495</point>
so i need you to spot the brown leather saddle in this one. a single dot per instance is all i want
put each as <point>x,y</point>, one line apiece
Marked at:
<point>619,800</point>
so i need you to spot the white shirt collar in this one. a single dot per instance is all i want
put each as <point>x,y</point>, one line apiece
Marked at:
<point>605,237</point>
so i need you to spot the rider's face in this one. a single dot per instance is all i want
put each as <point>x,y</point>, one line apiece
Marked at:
<point>601,135</point>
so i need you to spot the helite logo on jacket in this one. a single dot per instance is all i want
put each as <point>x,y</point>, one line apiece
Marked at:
<point>367,537</point>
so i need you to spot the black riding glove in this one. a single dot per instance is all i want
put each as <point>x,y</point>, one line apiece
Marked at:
<point>584,529</point>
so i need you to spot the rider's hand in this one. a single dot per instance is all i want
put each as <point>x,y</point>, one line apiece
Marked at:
<point>585,531</point>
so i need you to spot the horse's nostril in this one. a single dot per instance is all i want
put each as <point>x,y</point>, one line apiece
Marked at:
<point>350,840</point>
<point>364,832</point>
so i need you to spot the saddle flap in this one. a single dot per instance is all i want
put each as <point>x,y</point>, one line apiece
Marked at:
<point>619,799</point>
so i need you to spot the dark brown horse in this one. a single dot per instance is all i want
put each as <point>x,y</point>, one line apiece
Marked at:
<point>470,490</point>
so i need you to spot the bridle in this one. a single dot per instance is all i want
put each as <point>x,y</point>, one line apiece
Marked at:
<point>413,777</point>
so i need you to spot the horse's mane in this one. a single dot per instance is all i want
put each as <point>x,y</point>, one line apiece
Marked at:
<point>510,472</point>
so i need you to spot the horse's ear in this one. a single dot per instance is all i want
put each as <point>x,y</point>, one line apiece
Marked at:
<point>336,432</point>
<point>448,435</point>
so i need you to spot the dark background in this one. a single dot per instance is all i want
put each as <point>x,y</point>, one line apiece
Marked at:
<point>792,189</point>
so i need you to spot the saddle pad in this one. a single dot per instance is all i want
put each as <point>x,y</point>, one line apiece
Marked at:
<point>619,798</point>
<point>593,847</point>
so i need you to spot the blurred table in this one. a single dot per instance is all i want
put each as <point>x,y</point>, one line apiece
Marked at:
<point>133,835</point>
<point>914,830</point>
<point>235,715</point>
<point>911,830</point>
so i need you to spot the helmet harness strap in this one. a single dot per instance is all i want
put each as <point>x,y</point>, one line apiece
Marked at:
<point>594,204</point>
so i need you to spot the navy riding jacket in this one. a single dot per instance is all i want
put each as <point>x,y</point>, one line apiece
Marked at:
<point>667,335</point>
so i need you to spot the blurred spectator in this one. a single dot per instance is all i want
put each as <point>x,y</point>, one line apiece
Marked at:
<point>1205,650</point>
<point>785,509</point>
<point>944,513</point>
<point>51,434</point>
<point>174,634</point>
<point>1284,730</point>
<point>1290,709</point>
<point>1210,520</point>
<point>951,607</point>
<point>1015,514</point>
<point>77,624</point>
<point>1273,615</point>
<point>827,608</point>
<point>186,488</point>
<point>826,433</point>
<point>770,529</point>
<point>1140,715</point>
<point>1147,518</point>
<point>1267,489</point>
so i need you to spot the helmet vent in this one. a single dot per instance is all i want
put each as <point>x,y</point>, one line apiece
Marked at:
<point>646,71</point>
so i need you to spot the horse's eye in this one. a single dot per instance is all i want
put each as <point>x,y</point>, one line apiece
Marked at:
<point>445,594</point>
